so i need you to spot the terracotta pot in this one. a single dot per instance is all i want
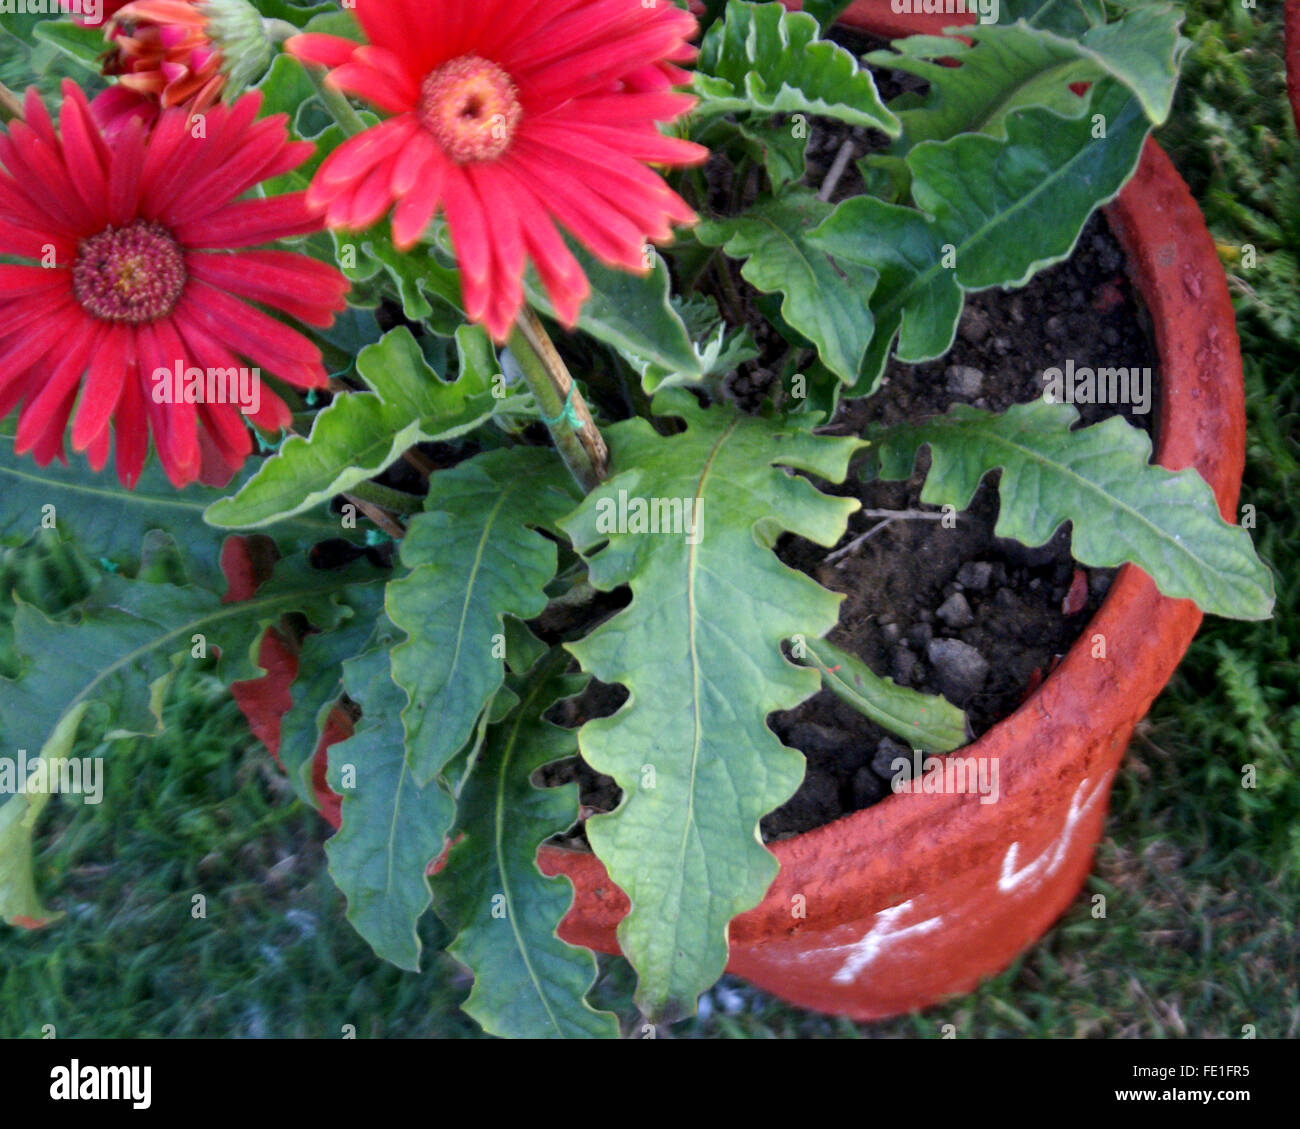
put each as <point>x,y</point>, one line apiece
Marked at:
<point>921,896</point>
<point>1293,57</point>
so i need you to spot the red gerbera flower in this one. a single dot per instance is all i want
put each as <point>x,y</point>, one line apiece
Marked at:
<point>133,279</point>
<point>162,56</point>
<point>509,115</point>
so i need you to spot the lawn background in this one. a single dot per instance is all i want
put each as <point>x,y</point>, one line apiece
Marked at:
<point>1201,876</point>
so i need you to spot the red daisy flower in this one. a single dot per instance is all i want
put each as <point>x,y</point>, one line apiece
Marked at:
<point>162,57</point>
<point>133,279</point>
<point>512,116</point>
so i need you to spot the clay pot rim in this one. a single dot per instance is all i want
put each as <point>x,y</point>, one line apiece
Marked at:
<point>1150,213</point>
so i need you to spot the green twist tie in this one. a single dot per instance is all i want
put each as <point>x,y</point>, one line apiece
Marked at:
<point>568,414</point>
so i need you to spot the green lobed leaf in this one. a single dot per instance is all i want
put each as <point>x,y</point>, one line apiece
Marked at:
<point>631,312</point>
<point>718,349</point>
<point>360,434</point>
<point>391,827</point>
<point>1124,509</point>
<point>699,650</point>
<point>825,297</point>
<point>926,721</point>
<point>825,12</point>
<point>993,211</point>
<point>1011,67</point>
<point>108,521</point>
<point>528,984</point>
<point>762,59</point>
<point>475,556</point>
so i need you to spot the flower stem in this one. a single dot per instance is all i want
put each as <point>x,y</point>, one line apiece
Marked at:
<point>340,109</point>
<point>563,408</point>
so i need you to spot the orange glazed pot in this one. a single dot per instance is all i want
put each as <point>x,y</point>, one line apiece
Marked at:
<point>921,896</point>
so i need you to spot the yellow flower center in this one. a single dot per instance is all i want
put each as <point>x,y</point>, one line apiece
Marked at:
<point>471,107</point>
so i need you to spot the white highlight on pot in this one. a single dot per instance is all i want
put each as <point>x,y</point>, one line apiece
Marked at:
<point>881,936</point>
<point>886,932</point>
<point>1049,862</point>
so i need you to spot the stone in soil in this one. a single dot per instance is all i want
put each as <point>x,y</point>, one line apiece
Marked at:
<point>955,611</point>
<point>959,669</point>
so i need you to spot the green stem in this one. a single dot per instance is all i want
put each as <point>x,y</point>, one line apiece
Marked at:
<point>340,109</point>
<point>582,448</point>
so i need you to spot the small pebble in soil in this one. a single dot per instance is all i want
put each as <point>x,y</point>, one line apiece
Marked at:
<point>965,380</point>
<point>959,669</point>
<point>975,575</point>
<point>904,669</point>
<point>975,324</point>
<point>887,752</point>
<point>955,611</point>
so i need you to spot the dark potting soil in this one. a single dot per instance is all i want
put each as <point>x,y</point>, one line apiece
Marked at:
<point>952,611</point>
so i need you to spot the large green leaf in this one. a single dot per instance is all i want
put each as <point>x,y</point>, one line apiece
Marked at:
<point>1123,508</point>
<point>475,556</point>
<point>926,721</point>
<point>631,312</point>
<point>993,212</point>
<point>528,984</point>
<point>391,826</point>
<point>1008,68</point>
<point>83,45</point>
<point>699,650</point>
<point>108,521</point>
<point>825,297</point>
<point>362,433</point>
<point>762,59</point>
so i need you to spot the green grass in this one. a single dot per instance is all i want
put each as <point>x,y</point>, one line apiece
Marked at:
<point>1201,876</point>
